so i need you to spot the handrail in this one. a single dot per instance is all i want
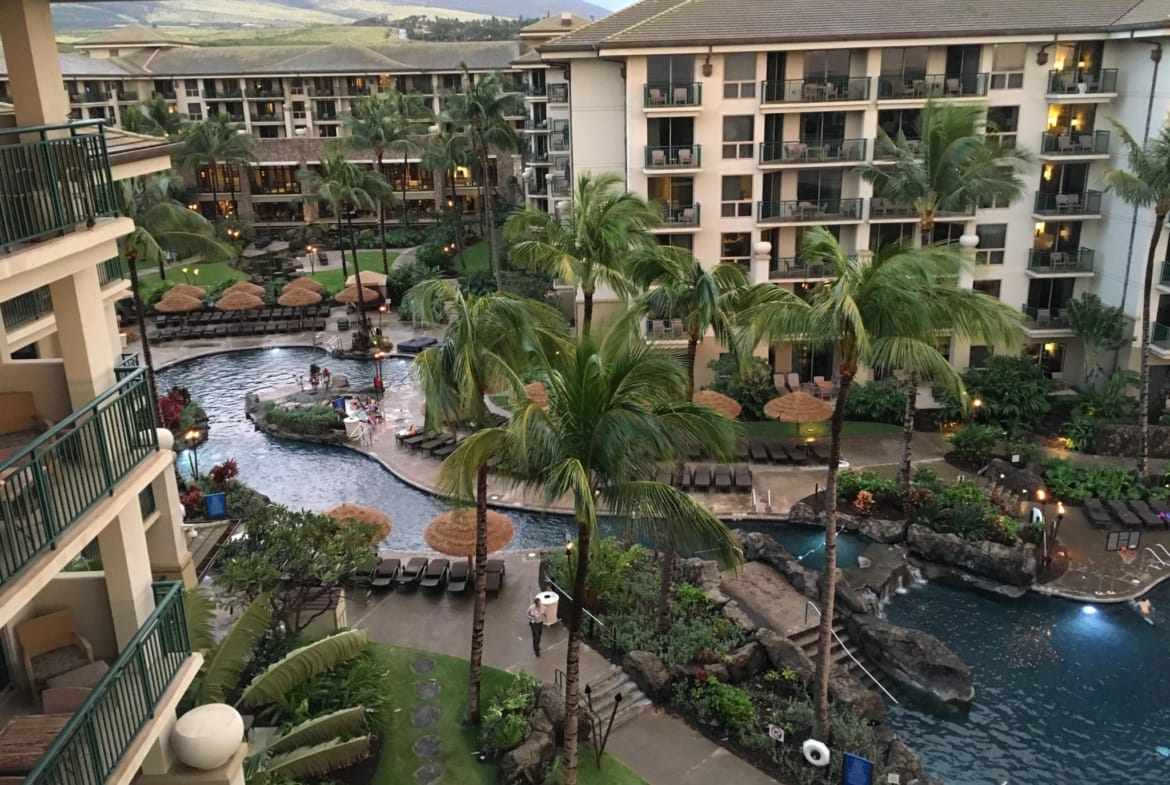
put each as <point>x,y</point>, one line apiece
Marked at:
<point>569,597</point>
<point>808,604</point>
<point>94,741</point>
<point>71,126</point>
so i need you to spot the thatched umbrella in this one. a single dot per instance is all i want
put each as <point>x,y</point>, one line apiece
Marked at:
<point>178,303</point>
<point>453,533</point>
<point>239,301</point>
<point>246,288</point>
<point>343,513</point>
<point>298,297</point>
<point>537,393</point>
<point>798,407</point>
<point>719,401</point>
<point>368,278</point>
<point>349,295</point>
<point>198,292</point>
<point>303,283</point>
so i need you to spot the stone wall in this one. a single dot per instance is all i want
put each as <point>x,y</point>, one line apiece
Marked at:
<point>1120,440</point>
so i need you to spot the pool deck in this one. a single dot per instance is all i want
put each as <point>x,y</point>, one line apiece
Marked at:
<point>1083,570</point>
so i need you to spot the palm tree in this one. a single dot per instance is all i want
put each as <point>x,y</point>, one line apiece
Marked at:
<point>215,142</point>
<point>446,152</point>
<point>615,410</point>
<point>489,342</point>
<point>481,112</point>
<point>1147,185</point>
<point>874,310</point>
<point>161,225</point>
<point>389,122</point>
<point>591,243</point>
<point>156,117</point>
<point>952,168</point>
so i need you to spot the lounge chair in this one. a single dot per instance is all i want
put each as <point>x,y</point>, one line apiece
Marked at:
<point>437,443</point>
<point>435,575</point>
<point>445,450</point>
<point>743,478</point>
<point>1147,516</point>
<point>417,439</point>
<point>757,451</point>
<point>741,452</point>
<point>815,453</point>
<point>382,576</point>
<point>411,572</point>
<point>797,454</point>
<point>495,571</point>
<point>722,477</point>
<point>702,480</point>
<point>1160,508</point>
<point>777,452</point>
<point>1098,516</point>
<point>457,577</point>
<point>682,478</point>
<point>1123,514</point>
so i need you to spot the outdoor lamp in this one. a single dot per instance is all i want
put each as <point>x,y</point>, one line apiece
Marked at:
<point>977,403</point>
<point>1041,495</point>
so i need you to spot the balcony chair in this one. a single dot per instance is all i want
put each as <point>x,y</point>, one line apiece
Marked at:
<point>1090,83</point>
<point>793,382</point>
<point>1043,317</point>
<point>684,156</point>
<point>1086,144</point>
<point>830,92</point>
<point>656,97</point>
<point>795,152</point>
<point>1056,260</point>
<point>954,87</point>
<point>1061,201</point>
<point>1068,83</point>
<point>51,646</point>
<point>687,216</point>
<point>658,158</point>
<point>1072,202</point>
<point>1064,144</point>
<point>682,96</point>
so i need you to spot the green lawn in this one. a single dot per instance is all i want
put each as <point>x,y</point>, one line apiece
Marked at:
<point>473,258</point>
<point>819,430</point>
<point>330,277</point>
<point>459,742</point>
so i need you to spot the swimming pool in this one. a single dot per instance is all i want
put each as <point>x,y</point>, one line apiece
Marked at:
<point>1063,697</point>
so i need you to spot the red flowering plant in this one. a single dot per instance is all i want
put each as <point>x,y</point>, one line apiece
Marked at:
<point>171,412</point>
<point>864,502</point>
<point>222,473</point>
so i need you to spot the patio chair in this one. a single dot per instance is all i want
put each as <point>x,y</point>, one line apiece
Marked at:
<point>682,96</point>
<point>776,452</point>
<point>722,477</point>
<point>1061,201</point>
<point>816,454</point>
<point>457,577</point>
<point>687,216</point>
<point>384,574</point>
<point>51,645</point>
<point>954,87</point>
<point>495,571</point>
<point>795,152</point>
<point>702,478</point>
<point>446,449</point>
<point>658,329</point>
<point>684,156</point>
<point>1067,83</point>
<point>1147,516</point>
<point>797,453</point>
<point>743,478</point>
<point>829,93</point>
<point>1161,508</point>
<point>1043,317</point>
<point>1090,83</point>
<point>1123,514</point>
<point>809,91</point>
<point>411,572</point>
<point>1086,144</point>
<point>1064,144</point>
<point>658,158</point>
<point>656,96</point>
<point>681,479</point>
<point>792,382</point>
<point>435,575</point>
<point>1056,260</point>
<point>1073,202</point>
<point>740,452</point>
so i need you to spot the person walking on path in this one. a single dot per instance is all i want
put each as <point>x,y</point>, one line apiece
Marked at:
<point>536,620</point>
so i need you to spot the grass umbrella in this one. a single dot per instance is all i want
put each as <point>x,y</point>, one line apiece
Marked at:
<point>298,297</point>
<point>239,301</point>
<point>246,288</point>
<point>349,295</point>
<point>719,401</point>
<point>453,533</point>
<point>187,289</point>
<point>798,407</point>
<point>367,278</point>
<point>343,513</point>
<point>303,283</point>
<point>178,303</point>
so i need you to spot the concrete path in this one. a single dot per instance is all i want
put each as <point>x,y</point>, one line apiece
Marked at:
<point>406,256</point>
<point>664,750</point>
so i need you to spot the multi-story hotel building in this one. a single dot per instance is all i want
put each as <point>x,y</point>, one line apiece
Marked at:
<point>82,469</point>
<point>746,120</point>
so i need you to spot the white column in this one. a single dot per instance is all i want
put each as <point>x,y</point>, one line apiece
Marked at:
<point>84,338</point>
<point>34,71</point>
<point>126,562</point>
<point>160,759</point>
<point>761,256</point>
<point>165,540</point>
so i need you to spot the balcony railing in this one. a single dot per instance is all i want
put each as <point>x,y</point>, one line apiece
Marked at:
<point>665,329</point>
<point>93,742</point>
<point>127,96</point>
<point>267,118</point>
<point>679,214</point>
<point>1161,336</point>
<point>1044,318</point>
<point>1078,261</point>
<point>111,270</point>
<point>90,97</point>
<point>265,92</point>
<point>54,183</point>
<point>167,94</point>
<point>535,89</point>
<point>908,88</point>
<point>1091,143</point>
<point>880,207</point>
<point>224,93</point>
<point>663,94</point>
<point>126,366</point>
<point>809,91</point>
<point>1087,82</point>
<point>51,483</point>
<point>27,307</point>
<point>799,210</point>
<point>687,156</point>
<point>558,142</point>
<point>796,269</point>
<point>1087,203</point>
<point>885,149</point>
<point>812,151</point>
<point>558,93</point>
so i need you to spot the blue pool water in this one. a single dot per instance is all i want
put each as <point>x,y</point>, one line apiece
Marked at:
<point>1063,697</point>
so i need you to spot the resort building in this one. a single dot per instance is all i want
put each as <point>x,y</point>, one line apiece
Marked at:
<point>94,653</point>
<point>745,121</point>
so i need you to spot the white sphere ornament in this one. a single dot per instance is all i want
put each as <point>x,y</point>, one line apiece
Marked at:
<point>207,737</point>
<point>762,248</point>
<point>969,240</point>
<point>166,439</point>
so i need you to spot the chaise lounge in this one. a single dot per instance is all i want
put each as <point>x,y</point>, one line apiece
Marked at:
<point>1099,517</point>
<point>384,574</point>
<point>1123,514</point>
<point>411,572</point>
<point>435,575</point>
<point>457,577</point>
<point>494,575</point>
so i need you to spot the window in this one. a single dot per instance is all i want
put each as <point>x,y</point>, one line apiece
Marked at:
<point>736,247</point>
<point>1049,356</point>
<point>977,356</point>
<point>327,130</point>
<point>887,234</point>
<point>737,196</point>
<point>992,241</point>
<point>738,131</point>
<point>825,64</point>
<point>1007,66</point>
<point>739,75</point>
<point>195,111</point>
<point>906,62</point>
<point>270,131</point>
<point>1002,124</point>
<point>946,233</point>
<point>298,110</point>
<point>191,86</point>
<point>686,241</point>
<point>990,288</point>
<point>670,69</point>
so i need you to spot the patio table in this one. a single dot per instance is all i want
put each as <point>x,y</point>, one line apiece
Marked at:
<point>25,739</point>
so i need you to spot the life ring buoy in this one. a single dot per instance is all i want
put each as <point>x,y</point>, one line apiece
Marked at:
<point>815,752</point>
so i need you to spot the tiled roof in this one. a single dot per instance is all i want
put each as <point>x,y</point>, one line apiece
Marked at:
<point>73,65</point>
<point>556,23</point>
<point>688,22</point>
<point>133,34</point>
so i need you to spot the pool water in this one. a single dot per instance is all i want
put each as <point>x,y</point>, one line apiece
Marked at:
<point>1063,697</point>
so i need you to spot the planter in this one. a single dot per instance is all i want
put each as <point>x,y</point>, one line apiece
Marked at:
<point>206,737</point>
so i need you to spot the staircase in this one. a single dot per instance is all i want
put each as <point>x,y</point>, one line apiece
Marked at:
<point>806,639</point>
<point>604,692</point>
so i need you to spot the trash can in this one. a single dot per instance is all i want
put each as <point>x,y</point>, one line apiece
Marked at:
<point>549,600</point>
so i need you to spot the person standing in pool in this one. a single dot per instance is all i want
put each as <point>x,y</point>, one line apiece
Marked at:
<point>536,618</point>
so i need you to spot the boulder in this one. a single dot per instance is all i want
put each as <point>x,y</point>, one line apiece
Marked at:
<point>714,670</point>
<point>914,659</point>
<point>746,662</point>
<point>846,597</point>
<point>736,615</point>
<point>847,689</point>
<point>783,654</point>
<point>552,702</point>
<point>901,760</point>
<point>762,548</point>
<point>1013,565</point>
<point>649,673</point>
<point>526,763</point>
<point>883,531</point>
<point>802,513</point>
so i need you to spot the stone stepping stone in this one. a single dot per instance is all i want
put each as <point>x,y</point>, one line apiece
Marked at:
<point>422,665</point>
<point>427,690</point>
<point>428,773</point>
<point>427,747</point>
<point>425,716</point>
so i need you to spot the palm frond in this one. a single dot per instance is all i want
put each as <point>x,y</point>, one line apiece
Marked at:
<point>336,725</point>
<point>199,611</point>
<point>227,661</point>
<point>301,664</point>
<point>318,760</point>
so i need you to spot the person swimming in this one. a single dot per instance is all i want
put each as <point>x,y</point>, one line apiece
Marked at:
<point>1144,606</point>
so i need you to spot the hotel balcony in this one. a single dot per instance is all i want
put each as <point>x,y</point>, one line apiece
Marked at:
<point>1045,322</point>
<point>665,330</point>
<point>881,209</point>
<point>819,152</point>
<point>1163,280</point>
<point>674,157</point>
<point>1075,146</point>
<point>802,211</point>
<point>1160,341</point>
<point>558,93</point>
<point>1063,264</point>
<point>885,150</point>
<point>678,216</point>
<point>1071,205</point>
<point>804,91</point>
<point>664,96</point>
<point>90,97</point>
<point>932,86</point>
<point>1079,86</point>
<point>535,91</point>
<point>797,269</point>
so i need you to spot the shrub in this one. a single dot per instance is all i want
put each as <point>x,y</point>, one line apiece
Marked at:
<point>359,681</point>
<point>882,401</point>
<point>966,510</point>
<point>864,503</point>
<point>1077,483</point>
<point>508,717</point>
<point>976,443</point>
<point>313,419</point>
<point>1014,390</point>
<point>752,388</point>
<point>727,705</point>
<point>224,472</point>
<point>851,482</point>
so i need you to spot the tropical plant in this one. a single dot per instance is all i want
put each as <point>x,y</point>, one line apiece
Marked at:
<point>156,117</point>
<point>446,152</point>
<point>388,122</point>
<point>877,401</point>
<point>1114,402</point>
<point>302,664</point>
<point>490,341</point>
<point>225,663</point>
<point>480,113</point>
<point>976,443</point>
<point>1014,391</point>
<point>213,143</point>
<point>616,409</point>
<point>591,242</point>
<point>953,167</point>
<point>748,380</point>
<point>1101,328</point>
<point>1145,185</point>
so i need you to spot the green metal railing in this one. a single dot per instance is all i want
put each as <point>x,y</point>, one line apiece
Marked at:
<point>800,210</point>
<point>60,180</point>
<point>679,155</point>
<point>53,482</point>
<point>27,307</point>
<point>111,270</point>
<point>664,94</point>
<point>920,87</point>
<point>1161,336</point>
<point>93,743</point>
<point>126,366</point>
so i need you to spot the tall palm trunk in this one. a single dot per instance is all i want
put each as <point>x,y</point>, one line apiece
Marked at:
<point>341,241</point>
<point>908,429</point>
<point>824,664</point>
<point>573,656</point>
<point>361,303</point>
<point>1143,466</point>
<point>382,220</point>
<point>669,550</point>
<point>587,316</point>
<point>477,613</point>
<point>489,214</point>
<point>140,321</point>
<point>214,194</point>
<point>405,175</point>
